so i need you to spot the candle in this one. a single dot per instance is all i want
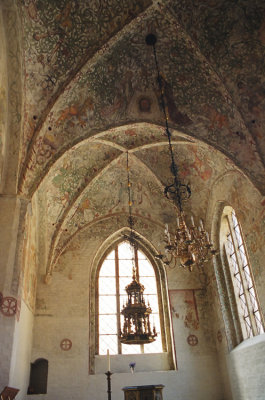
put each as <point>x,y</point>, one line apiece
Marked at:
<point>108,360</point>
<point>192,220</point>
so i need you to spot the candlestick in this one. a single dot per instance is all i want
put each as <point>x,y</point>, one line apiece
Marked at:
<point>109,384</point>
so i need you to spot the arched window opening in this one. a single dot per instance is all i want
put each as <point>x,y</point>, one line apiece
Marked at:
<point>241,274</point>
<point>114,275</point>
<point>38,377</point>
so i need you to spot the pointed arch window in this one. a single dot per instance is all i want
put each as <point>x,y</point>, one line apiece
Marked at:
<point>242,278</point>
<point>114,275</point>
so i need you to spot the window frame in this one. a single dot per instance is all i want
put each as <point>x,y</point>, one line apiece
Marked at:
<point>162,287</point>
<point>253,328</point>
<point>159,296</point>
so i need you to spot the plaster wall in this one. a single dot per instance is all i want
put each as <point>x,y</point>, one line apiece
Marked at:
<point>241,368</point>
<point>62,311</point>
<point>246,365</point>
<point>8,223</point>
<point>6,335</point>
<point>21,352</point>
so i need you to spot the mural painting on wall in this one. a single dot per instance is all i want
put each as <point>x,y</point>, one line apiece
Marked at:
<point>191,312</point>
<point>2,128</point>
<point>8,306</point>
<point>74,173</point>
<point>28,274</point>
<point>184,307</point>
<point>145,195</point>
<point>255,240</point>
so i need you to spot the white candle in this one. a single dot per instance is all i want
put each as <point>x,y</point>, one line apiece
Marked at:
<point>108,360</point>
<point>192,220</point>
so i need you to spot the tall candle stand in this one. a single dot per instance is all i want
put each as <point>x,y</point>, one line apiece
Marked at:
<point>109,384</point>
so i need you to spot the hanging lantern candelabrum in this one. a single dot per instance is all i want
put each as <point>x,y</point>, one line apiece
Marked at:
<point>190,245</point>
<point>136,327</point>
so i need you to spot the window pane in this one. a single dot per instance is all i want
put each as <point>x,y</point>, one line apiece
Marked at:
<point>111,255</point>
<point>141,256</point>
<point>108,342</point>
<point>258,322</point>
<point>125,268</point>
<point>107,285</point>
<point>234,218</point>
<point>155,320</point>
<point>123,300</point>
<point>125,252</point>
<point>149,284</point>
<point>242,277</point>
<point>131,349</point>
<point>152,300</point>
<point>247,276</point>
<point>107,268</point>
<point>154,347</point>
<point>107,324</point>
<point>107,319</point>
<point>124,281</point>
<point>238,235</point>
<point>107,305</point>
<point>248,327</point>
<point>243,256</point>
<point>238,284</point>
<point>234,262</point>
<point>145,268</point>
<point>253,299</point>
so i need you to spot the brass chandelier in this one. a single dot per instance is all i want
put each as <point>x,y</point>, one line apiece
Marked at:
<point>136,326</point>
<point>190,244</point>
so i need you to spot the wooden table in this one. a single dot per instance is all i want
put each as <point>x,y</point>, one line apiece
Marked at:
<point>147,392</point>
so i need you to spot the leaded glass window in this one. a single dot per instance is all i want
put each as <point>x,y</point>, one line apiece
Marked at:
<point>114,275</point>
<point>242,277</point>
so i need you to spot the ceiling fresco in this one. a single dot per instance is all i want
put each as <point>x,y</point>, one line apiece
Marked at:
<point>210,93</point>
<point>79,194</point>
<point>90,95</point>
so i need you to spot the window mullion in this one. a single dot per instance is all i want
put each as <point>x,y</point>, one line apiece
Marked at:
<point>252,315</point>
<point>117,273</point>
<point>242,278</point>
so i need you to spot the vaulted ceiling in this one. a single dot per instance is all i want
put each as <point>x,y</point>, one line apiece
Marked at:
<point>90,95</point>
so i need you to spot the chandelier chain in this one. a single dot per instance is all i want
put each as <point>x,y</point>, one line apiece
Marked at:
<point>177,185</point>
<point>190,244</point>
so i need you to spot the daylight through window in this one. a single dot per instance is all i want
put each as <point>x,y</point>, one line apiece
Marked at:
<point>243,280</point>
<point>114,275</point>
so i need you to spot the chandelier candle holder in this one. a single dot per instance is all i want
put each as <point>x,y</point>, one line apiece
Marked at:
<point>136,327</point>
<point>190,245</point>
